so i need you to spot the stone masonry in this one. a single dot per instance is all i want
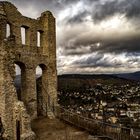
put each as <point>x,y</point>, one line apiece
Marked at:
<point>16,112</point>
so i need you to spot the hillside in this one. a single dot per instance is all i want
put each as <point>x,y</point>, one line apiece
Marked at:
<point>132,76</point>
<point>77,81</point>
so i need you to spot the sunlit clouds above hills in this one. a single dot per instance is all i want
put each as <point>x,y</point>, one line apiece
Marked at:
<point>93,36</point>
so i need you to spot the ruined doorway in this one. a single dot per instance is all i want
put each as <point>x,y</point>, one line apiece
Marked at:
<point>19,80</point>
<point>17,130</point>
<point>41,90</point>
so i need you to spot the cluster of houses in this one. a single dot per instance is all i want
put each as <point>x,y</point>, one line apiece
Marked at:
<point>118,104</point>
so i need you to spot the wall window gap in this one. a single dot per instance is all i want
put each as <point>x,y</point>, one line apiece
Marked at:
<point>38,38</point>
<point>23,35</point>
<point>8,30</point>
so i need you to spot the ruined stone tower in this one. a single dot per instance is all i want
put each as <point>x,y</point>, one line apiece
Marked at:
<point>37,49</point>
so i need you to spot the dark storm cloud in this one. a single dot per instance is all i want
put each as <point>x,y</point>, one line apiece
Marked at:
<point>103,11</point>
<point>131,8</point>
<point>69,1</point>
<point>97,61</point>
<point>100,10</point>
<point>133,54</point>
<point>79,18</point>
<point>75,1</point>
<point>117,45</point>
<point>122,46</point>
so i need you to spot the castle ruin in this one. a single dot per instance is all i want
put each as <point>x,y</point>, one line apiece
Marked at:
<point>37,49</point>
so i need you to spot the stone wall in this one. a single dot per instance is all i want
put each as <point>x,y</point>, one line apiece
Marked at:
<point>27,56</point>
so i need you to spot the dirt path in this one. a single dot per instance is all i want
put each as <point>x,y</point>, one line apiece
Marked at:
<point>47,129</point>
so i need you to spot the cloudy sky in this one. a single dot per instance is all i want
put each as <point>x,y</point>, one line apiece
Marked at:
<point>93,36</point>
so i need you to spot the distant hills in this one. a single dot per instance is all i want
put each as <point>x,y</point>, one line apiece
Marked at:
<point>131,76</point>
<point>127,76</point>
<point>78,81</point>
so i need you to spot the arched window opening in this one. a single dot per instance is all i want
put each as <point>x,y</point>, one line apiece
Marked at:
<point>38,71</point>
<point>39,38</point>
<point>19,80</point>
<point>8,30</point>
<point>41,90</point>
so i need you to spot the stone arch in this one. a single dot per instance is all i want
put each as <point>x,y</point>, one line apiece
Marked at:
<point>21,80</point>
<point>28,86</point>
